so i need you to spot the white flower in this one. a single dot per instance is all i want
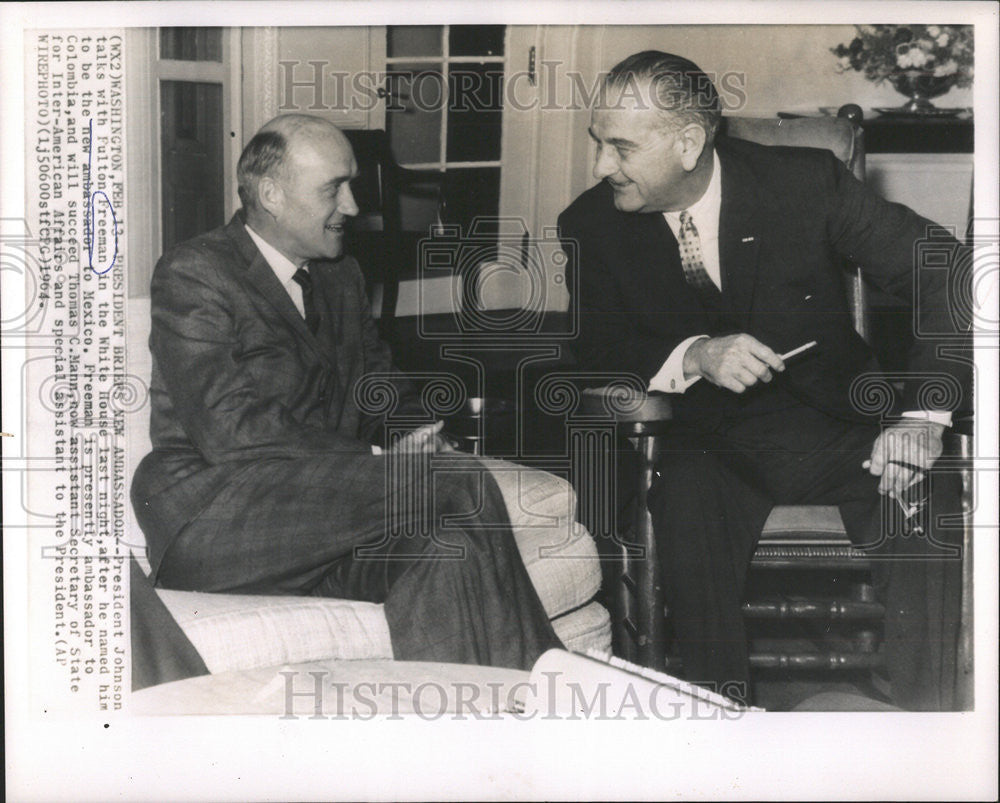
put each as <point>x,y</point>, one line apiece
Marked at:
<point>948,68</point>
<point>914,57</point>
<point>943,40</point>
<point>933,30</point>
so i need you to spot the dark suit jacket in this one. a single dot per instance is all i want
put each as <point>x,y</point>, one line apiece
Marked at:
<point>789,219</point>
<point>238,377</point>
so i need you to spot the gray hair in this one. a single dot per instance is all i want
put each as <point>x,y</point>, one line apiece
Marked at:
<point>263,156</point>
<point>680,90</point>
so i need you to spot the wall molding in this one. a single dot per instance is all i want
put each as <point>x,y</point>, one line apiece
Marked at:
<point>261,55</point>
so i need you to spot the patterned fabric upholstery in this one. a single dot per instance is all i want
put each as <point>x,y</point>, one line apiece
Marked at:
<point>790,522</point>
<point>235,631</point>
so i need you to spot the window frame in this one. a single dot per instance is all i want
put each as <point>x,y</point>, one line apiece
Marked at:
<point>145,71</point>
<point>445,60</point>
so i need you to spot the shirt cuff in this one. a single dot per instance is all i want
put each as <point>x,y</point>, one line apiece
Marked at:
<point>942,417</point>
<point>376,449</point>
<point>670,377</point>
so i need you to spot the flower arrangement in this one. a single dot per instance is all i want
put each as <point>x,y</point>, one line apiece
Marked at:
<point>894,52</point>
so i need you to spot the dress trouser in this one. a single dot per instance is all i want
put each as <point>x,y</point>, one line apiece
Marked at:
<point>436,549</point>
<point>709,503</point>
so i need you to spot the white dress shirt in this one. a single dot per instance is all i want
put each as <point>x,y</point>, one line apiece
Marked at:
<point>705,214</point>
<point>283,268</point>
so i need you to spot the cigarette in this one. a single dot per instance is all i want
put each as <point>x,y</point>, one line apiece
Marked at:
<point>799,350</point>
<point>792,353</point>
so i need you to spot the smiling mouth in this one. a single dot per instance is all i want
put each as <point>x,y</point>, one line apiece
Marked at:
<point>337,227</point>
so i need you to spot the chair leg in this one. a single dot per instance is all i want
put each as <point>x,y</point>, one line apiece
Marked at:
<point>625,629</point>
<point>964,696</point>
<point>866,639</point>
<point>650,613</point>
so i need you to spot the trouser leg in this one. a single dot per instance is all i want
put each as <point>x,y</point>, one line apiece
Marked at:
<point>707,520</point>
<point>439,554</point>
<point>455,589</point>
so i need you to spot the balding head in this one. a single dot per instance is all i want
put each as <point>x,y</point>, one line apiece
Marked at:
<point>273,146</point>
<point>294,182</point>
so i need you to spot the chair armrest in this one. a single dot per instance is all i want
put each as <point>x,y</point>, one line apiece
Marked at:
<point>634,413</point>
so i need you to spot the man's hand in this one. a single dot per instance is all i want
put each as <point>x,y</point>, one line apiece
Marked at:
<point>734,362</point>
<point>426,439</point>
<point>903,452</point>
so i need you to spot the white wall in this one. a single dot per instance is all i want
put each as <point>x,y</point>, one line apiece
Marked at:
<point>787,67</point>
<point>782,68</point>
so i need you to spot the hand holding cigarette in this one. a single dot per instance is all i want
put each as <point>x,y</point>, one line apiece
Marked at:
<point>736,362</point>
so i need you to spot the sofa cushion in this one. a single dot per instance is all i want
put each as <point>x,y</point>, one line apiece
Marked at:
<point>242,631</point>
<point>558,552</point>
<point>588,628</point>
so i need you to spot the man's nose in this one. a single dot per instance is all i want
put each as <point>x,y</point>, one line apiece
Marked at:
<point>605,162</point>
<point>346,204</point>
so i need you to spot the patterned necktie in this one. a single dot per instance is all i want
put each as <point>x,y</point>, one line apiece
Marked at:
<point>304,280</point>
<point>691,258</point>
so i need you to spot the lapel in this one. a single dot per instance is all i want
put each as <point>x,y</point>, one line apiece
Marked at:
<point>739,232</point>
<point>656,254</point>
<point>260,275</point>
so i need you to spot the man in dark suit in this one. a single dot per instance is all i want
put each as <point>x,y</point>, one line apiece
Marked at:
<point>266,474</point>
<point>701,261</point>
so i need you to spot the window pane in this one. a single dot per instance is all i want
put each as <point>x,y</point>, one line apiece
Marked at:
<point>413,116</point>
<point>475,112</point>
<point>413,40</point>
<point>191,149</point>
<point>191,44</point>
<point>476,40</point>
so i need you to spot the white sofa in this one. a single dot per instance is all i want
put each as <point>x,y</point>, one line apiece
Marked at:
<point>243,632</point>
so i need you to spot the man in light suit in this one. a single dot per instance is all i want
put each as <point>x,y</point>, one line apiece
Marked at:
<point>266,475</point>
<point>702,260</point>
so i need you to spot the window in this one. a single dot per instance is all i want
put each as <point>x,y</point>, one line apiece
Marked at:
<point>445,114</point>
<point>193,82</point>
<point>184,137</point>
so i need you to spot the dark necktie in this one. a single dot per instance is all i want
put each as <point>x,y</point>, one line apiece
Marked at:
<point>691,257</point>
<point>304,280</point>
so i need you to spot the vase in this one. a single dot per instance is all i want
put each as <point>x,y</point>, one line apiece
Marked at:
<point>920,87</point>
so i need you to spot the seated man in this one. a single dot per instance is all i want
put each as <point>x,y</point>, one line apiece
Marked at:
<point>701,260</point>
<point>264,476</point>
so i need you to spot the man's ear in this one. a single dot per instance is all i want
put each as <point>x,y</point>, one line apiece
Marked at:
<point>692,139</point>
<point>270,196</point>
